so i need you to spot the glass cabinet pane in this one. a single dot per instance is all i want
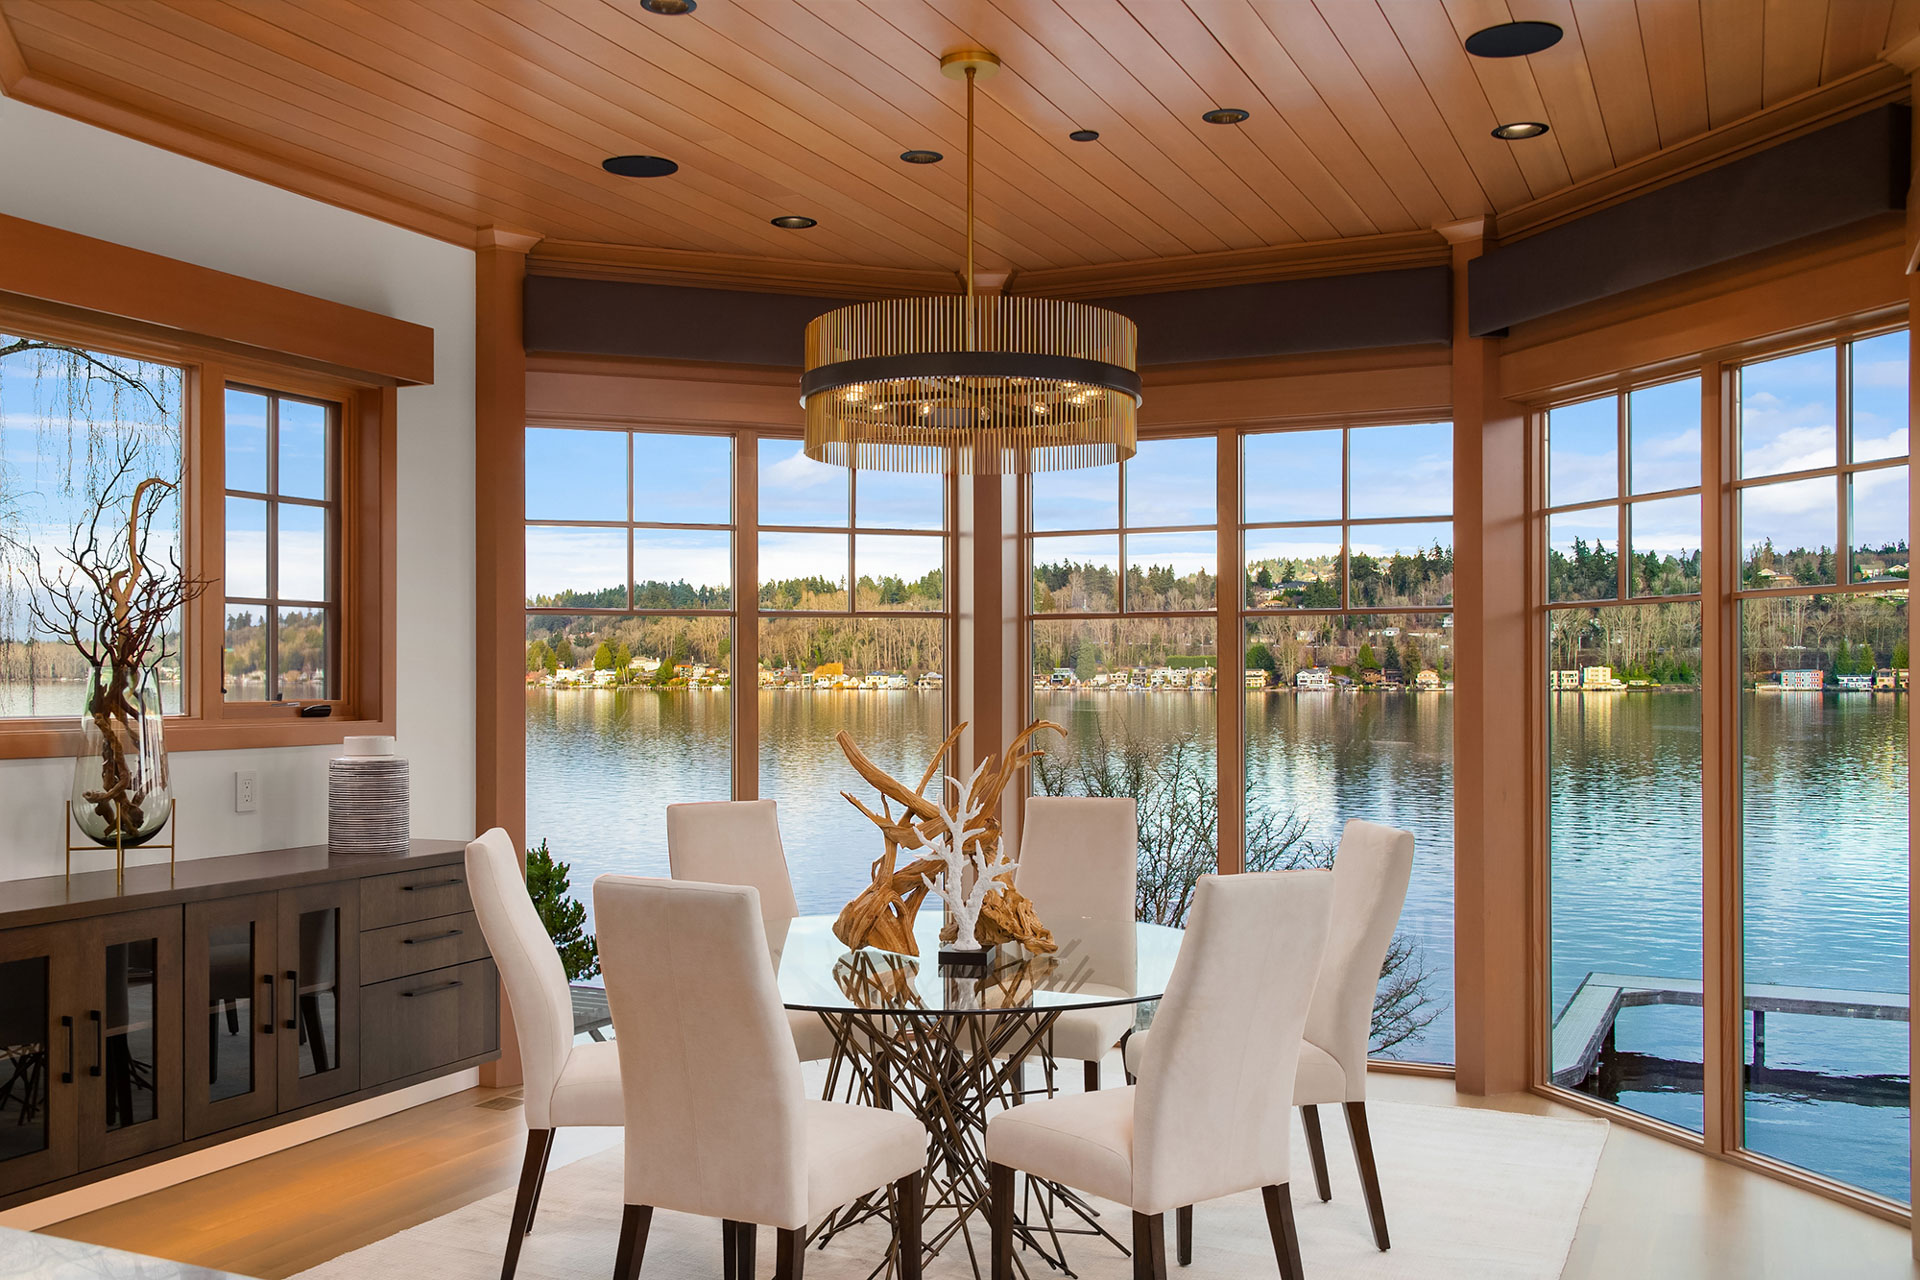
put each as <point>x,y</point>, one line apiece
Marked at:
<point>25,1057</point>
<point>318,996</point>
<point>230,1011</point>
<point>129,1048</point>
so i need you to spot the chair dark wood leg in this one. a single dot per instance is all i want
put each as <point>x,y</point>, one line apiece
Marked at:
<point>539,1142</point>
<point>540,1182</point>
<point>313,1030</point>
<point>1000,1219</point>
<point>738,1241</point>
<point>1091,1076</point>
<point>789,1256</point>
<point>1317,1148</point>
<point>910,1203</point>
<point>633,1241</point>
<point>1369,1174</point>
<point>233,1017</point>
<point>1149,1246</point>
<point>1286,1240</point>
<point>1183,1235</point>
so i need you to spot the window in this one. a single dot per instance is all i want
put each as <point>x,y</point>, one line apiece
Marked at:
<point>630,627</point>
<point>1624,732</point>
<point>1347,541</point>
<point>1821,504</point>
<point>853,618</point>
<point>282,547</point>
<point>68,415</point>
<point>1123,629</point>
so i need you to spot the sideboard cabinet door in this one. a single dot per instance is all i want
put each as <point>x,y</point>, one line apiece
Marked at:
<point>232,1002</point>
<point>319,996</point>
<point>130,1100</point>
<point>39,1047</point>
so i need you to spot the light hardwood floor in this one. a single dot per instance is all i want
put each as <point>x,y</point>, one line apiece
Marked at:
<point>1656,1211</point>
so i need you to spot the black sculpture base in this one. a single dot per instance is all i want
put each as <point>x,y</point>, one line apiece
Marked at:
<point>964,957</point>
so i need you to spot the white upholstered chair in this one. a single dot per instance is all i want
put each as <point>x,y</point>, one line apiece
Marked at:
<point>717,1121</point>
<point>1370,875</point>
<point>566,1083</point>
<point>1209,1116</point>
<point>738,842</point>
<point>1079,859</point>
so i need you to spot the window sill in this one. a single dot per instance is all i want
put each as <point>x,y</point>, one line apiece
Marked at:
<point>46,739</point>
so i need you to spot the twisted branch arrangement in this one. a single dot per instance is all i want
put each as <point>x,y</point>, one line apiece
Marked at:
<point>882,916</point>
<point>106,602</point>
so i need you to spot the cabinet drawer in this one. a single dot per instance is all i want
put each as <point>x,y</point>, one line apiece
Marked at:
<point>402,949</point>
<point>410,896</point>
<point>414,1024</point>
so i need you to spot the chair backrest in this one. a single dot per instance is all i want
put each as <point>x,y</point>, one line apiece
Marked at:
<point>1212,1111</point>
<point>712,1081</point>
<point>1080,856</point>
<point>530,968</point>
<point>732,842</point>
<point>1370,875</point>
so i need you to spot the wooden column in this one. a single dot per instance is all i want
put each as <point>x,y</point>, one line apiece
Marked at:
<point>986,668</point>
<point>1496,766</point>
<point>1230,676</point>
<point>500,569</point>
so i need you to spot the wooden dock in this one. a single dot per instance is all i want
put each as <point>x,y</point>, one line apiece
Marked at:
<point>1586,1022</point>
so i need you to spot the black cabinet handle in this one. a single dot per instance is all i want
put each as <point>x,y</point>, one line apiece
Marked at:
<point>66,1020</point>
<point>273,1003</point>
<point>425,991</point>
<point>432,937</point>
<point>437,884</point>
<point>99,1041</point>
<point>293,1000</point>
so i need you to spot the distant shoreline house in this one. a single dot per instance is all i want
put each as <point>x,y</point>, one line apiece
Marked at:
<point>1813,679</point>
<point>1314,678</point>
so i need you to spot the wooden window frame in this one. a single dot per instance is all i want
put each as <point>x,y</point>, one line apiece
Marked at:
<point>366,501</point>
<point>1719,598</point>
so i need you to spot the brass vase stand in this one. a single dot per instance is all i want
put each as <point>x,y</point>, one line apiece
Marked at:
<point>120,849</point>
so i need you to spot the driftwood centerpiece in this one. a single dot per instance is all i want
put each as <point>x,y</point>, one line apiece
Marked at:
<point>882,916</point>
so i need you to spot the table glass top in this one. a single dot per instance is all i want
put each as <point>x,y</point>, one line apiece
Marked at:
<point>1097,963</point>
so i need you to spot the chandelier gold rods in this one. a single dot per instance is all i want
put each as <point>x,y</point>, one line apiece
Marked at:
<point>970,303</point>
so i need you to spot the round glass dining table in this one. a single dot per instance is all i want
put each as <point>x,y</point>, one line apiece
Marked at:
<point>952,1044</point>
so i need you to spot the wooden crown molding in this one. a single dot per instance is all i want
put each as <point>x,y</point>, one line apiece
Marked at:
<point>13,64</point>
<point>1829,104</point>
<point>591,261</point>
<point>1238,266</point>
<point>512,239</point>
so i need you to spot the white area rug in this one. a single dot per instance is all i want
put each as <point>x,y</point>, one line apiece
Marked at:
<point>1479,1195</point>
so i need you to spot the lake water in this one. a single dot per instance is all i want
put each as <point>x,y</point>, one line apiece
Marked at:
<point>1825,820</point>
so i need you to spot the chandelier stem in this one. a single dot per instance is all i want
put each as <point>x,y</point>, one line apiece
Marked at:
<point>971,308</point>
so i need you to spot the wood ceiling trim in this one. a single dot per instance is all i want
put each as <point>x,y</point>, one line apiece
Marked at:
<point>13,66</point>
<point>593,261</point>
<point>1861,91</point>
<point>1351,255</point>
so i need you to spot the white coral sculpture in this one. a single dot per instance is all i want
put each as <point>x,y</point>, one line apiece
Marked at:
<point>949,847</point>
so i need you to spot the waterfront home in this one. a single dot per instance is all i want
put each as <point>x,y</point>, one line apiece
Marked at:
<point>475,354</point>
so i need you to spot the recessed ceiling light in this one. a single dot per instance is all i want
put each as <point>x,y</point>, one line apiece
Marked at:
<point>1513,39</point>
<point>922,157</point>
<point>639,166</point>
<point>671,8</point>
<point>1085,135</point>
<point>1224,115</point>
<point>794,222</point>
<point>1519,129</point>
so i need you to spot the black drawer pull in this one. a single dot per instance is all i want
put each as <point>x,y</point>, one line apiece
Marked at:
<point>437,884</point>
<point>273,1003</point>
<point>99,1042</point>
<point>432,937</point>
<point>66,1020</point>
<point>427,991</point>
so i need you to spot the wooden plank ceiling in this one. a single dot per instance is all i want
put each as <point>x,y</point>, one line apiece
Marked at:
<point>1368,118</point>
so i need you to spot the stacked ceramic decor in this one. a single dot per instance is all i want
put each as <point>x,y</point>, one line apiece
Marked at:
<point>367,799</point>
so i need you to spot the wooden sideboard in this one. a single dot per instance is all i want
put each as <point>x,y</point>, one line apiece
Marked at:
<point>226,996</point>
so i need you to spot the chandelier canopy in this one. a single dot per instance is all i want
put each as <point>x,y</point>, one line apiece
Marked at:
<point>968,383</point>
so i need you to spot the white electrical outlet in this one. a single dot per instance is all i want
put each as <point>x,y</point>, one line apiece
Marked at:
<point>246,791</point>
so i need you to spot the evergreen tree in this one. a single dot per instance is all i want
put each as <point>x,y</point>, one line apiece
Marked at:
<point>563,650</point>
<point>622,659</point>
<point>563,916</point>
<point>603,657</point>
<point>1264,578</point>
<point>1900,655</point>
<point>1366,660</point>
<point>1260,658</point>
<point>1393,655</point>
<point>538,656</point>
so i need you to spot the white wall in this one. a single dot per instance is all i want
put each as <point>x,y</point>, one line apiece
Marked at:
<point>70,175</point>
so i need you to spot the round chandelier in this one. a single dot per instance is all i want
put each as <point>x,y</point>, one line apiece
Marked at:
<point>976,384</point>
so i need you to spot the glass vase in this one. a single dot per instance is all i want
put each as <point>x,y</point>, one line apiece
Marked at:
<point>121,794</point>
